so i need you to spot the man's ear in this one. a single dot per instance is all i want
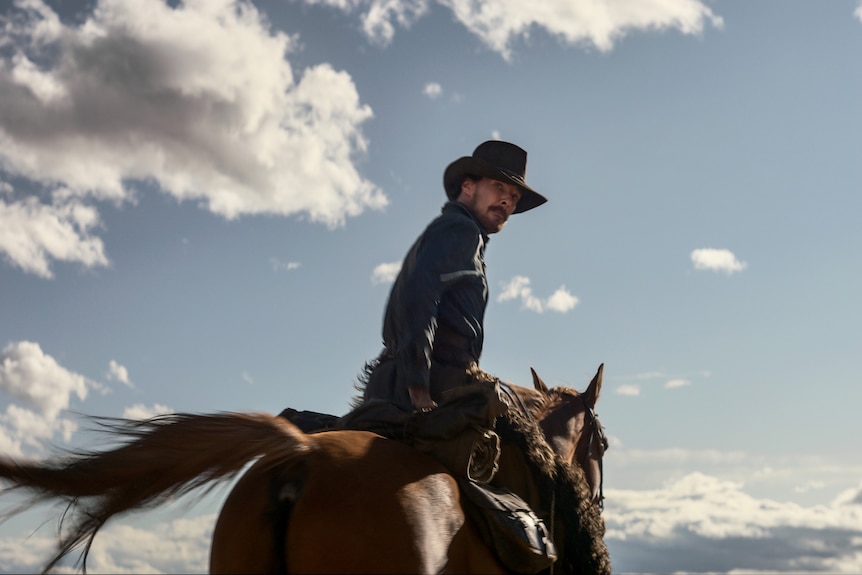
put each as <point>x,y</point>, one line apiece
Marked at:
<point>468,187</point>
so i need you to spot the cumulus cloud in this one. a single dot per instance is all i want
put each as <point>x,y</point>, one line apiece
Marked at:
<point>33,233</point>
<point>433,90</point>
<point>117,372</point>
<point>385,273</point>
<point>45,388</point>
<point>700,523</point>
<point>498,23</point>
<point>380,17</point>
<point>197,100</point>
<point>599,24</point>
<point>717,260</point>
<point>561,301</point>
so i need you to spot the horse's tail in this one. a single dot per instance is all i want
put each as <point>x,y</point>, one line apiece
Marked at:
<point>162,457</point>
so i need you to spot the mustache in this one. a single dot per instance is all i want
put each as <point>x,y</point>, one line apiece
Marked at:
<point>499,210</point>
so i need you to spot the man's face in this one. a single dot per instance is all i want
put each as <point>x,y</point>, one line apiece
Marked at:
<point>491,201</point>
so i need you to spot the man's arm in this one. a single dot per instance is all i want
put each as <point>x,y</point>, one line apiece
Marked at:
<point>446,256</point>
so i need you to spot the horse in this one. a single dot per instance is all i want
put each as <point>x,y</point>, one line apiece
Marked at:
<point>339,501</point>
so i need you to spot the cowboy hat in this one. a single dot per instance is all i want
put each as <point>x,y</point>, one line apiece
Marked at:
<point>498,160</point>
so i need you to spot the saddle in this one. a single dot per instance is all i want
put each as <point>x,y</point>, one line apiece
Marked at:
<point>458,433</point>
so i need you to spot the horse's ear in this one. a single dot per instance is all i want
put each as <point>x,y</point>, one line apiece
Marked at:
<point>538,383</point>
<point>595,387</point>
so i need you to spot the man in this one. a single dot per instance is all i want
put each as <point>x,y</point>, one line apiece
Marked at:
<point>433,328</point>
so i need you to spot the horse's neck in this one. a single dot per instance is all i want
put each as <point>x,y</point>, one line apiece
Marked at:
<point>516,476</point>
<point>523,478</point>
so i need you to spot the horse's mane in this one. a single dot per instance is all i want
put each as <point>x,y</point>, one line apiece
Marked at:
<point>564,486</point>
<point>362,381</point>
<point>565,489</point>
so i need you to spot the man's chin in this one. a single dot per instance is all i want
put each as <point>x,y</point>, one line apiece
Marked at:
<point>494,228</point>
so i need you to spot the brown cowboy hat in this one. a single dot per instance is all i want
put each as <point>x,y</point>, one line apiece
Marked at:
<point>498,160</point>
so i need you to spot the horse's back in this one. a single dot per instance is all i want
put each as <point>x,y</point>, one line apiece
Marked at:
<point>356,502</point>
<point>366,504</point>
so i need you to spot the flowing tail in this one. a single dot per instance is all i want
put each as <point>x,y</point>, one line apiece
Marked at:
<point>163,457</point>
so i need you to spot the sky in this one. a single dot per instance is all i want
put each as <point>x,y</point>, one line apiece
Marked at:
<point>203,205</point>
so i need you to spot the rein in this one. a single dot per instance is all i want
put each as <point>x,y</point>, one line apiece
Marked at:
<point>515,400</point>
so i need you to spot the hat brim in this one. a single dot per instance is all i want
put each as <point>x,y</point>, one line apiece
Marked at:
<point>461,167</point>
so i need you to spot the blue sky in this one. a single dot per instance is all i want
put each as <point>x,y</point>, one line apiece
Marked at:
<point>202,204</point>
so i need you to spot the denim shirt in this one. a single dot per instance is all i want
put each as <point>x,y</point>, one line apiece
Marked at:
<point>442,281</point>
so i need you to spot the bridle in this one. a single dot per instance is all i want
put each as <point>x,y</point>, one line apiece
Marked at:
<point>597,432</point>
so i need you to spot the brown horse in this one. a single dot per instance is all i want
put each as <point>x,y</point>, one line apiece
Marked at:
<point>339,501</point>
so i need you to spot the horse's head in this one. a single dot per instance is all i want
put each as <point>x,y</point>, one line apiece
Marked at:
<point>570,425</point>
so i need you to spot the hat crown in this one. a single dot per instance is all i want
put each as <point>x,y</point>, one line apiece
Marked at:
<point>504,156</point>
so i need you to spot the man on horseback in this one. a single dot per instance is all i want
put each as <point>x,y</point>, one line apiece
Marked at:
<point>433,328</point>
<point>425,388</point>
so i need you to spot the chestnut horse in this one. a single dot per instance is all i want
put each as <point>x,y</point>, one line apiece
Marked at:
<point>339,501</point>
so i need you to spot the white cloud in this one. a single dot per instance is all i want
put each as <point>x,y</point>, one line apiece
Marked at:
<point>117,372</point>
<point>600,24</point>
<point>561,301</point>
<point>433,90</point>
<point>278,265</point>
<point>45,387</point>
<point>175,546</point>
<point>700,523</point>
<point>809,486</point>
<point>498,23</point>
<point>33,233</point>
<point>379,17</point>
<point>629,390</point>
<point>717,260</point>
<point>385,273</point>
<point>28,374</point>
<point>674,383</point>
<point>247,378</point>
<point>197,100</point>
<point>141,411</point>
<point>661,374</point>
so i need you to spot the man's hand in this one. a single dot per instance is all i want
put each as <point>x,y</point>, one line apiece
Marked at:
<point>421,398</point>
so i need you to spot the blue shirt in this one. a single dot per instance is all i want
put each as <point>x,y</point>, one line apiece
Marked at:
<point>442,281</point>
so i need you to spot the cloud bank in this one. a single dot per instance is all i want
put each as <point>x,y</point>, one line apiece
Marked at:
<point>176,546</point>
<point>699,523</point>
<point>197,101</point>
